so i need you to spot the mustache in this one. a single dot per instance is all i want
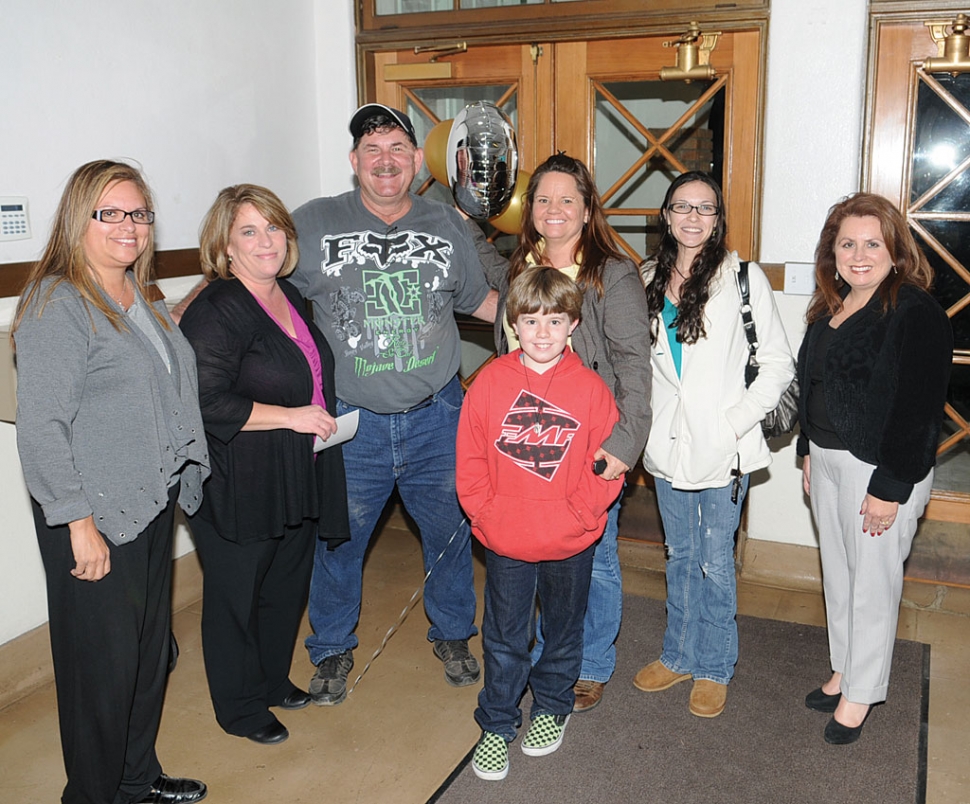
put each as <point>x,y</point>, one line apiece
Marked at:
<point>386,170</point>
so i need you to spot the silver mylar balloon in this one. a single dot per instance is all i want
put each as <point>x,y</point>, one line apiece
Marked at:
<point>482,160</point>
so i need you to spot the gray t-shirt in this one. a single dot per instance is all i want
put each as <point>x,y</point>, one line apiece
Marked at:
<point>386,296</point>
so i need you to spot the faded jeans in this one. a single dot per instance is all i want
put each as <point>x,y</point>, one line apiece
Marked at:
<point>702,633</point>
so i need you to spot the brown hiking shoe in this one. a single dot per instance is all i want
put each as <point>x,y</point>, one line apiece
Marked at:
<point>588,694</point>
<point>655,677</point>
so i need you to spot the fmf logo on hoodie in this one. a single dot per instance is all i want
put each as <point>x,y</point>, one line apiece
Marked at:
<point>536,435</point>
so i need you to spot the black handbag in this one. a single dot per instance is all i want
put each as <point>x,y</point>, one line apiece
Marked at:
<point>783,418</point>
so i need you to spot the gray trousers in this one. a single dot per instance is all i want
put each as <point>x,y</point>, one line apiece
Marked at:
<point>862,574</point>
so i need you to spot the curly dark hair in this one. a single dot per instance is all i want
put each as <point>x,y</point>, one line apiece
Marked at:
<point>595,242</point>
<point>910,265</point>
<point>695,291</point>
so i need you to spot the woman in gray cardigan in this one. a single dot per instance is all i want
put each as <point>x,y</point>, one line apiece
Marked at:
<point>563,226</point>
<point>111,440</point>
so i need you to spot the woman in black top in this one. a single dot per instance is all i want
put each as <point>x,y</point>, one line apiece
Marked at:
<point>266,389</point>
<point>873,370</point>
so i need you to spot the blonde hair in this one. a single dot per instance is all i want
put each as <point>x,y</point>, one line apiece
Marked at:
<point>64,258</point>
<point>218,222</point>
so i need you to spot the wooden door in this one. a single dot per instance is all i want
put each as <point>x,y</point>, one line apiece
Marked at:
<point>603,101</point>
<point>918,155</point>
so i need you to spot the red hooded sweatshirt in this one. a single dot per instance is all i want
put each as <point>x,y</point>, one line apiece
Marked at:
<point>525,453</point>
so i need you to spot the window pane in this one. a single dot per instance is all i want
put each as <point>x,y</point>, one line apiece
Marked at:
<point>941,143</point>
<point>384,7</point>
<point>657,105</point>
<point>444,103</point>
<point>499,3</point>
<point>942,139</point>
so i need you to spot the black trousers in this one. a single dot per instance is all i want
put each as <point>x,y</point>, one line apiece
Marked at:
<point>253,597</point>
<point>110,644</point>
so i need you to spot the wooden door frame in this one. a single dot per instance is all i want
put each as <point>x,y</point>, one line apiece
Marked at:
<point>887,147</point>
<point>743,56</point>
<point>743,53</point>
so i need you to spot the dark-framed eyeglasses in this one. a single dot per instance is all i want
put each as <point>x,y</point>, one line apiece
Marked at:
<point>683,208</point>
<point>112,215</point>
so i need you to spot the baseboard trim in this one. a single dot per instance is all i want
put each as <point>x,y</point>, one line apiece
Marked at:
<point>782,566</point>
<point>25,661</point>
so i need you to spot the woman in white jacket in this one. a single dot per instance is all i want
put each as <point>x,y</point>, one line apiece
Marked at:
<point>706,435</point>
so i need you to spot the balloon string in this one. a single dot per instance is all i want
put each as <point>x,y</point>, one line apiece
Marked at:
<point>408,607</point>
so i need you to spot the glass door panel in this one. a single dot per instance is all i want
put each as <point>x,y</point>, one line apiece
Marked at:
<point>646,134</point>
<point>939,212</point>
<point>428,106</point>
<point>637,132</point>
<point>918,154</point>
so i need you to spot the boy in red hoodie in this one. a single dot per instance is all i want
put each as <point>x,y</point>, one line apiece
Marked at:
<point>529,427</point>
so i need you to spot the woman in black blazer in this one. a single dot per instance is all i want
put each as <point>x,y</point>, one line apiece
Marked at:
<point>267,392</point>
<point>873,371</point>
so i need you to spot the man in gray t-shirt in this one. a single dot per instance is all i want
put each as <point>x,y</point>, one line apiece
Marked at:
<point>386,271</point>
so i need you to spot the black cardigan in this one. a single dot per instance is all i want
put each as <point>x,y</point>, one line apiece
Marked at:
<point>885,381</point>
<point>262,481</point>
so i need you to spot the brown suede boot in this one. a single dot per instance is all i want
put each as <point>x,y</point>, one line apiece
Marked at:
<point>656,677</point>
<point>707,698</point>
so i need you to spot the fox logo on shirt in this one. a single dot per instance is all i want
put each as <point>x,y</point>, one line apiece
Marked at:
<point>536,435</point>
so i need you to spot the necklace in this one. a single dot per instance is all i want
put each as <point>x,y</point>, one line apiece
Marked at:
<point>124,287</point>
<point>682,274</point>
<point>537,414</point>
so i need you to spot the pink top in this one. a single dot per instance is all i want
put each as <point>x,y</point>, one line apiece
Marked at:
<point>304,340</point>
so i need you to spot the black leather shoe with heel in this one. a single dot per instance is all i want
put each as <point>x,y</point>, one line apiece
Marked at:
<point>822,702</point>
<point>838,734</point>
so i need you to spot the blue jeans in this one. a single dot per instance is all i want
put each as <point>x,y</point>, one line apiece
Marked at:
<point>416,452</point>
<point>604,609</point>
<point>702,599</point>
<point>511,588</point>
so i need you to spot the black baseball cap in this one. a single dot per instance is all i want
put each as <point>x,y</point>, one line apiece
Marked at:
<point>370,110</point>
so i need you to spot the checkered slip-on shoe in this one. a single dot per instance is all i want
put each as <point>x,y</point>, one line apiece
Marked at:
<point>491,758</point>
<point>545,735</point>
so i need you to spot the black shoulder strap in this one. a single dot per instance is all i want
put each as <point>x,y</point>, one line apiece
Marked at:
<point>749,329</point>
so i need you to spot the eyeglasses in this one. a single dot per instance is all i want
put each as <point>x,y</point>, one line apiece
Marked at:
<point>112,215</point>
<point>683,208</point>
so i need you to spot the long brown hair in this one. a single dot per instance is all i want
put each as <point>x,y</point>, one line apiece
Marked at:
<point>910,266</point>
<point>64,259</point>
<point>595,242</point>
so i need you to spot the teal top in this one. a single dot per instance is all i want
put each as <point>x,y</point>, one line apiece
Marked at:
<point>669,313</point>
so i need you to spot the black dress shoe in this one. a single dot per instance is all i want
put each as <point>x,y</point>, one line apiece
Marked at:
<point>298,699</point>
<point>837,734</point>
<point>821,702</point>
<point>168,790</point>
<point>275,732</point>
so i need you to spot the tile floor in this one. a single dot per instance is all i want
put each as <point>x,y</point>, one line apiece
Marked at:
<point>402,730</point>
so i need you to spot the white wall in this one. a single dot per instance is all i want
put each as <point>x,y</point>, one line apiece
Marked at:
<point>813,135</point>
<point>246,90</point>
<point>202,95</point>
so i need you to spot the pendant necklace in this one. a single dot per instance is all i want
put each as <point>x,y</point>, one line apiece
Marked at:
<point>683,277</point>
<point>537,415</point>
<point>124,287</point>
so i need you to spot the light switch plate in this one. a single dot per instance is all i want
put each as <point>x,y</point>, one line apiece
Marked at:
<point>14,218</point>
<point>800,278</point>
